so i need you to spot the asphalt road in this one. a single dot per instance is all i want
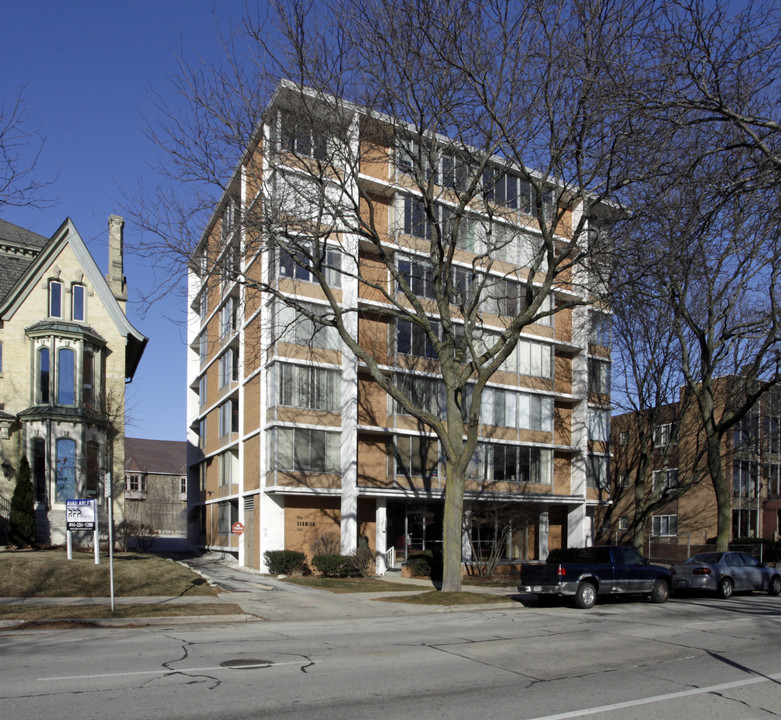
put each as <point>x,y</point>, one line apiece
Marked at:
<point>690,658</point>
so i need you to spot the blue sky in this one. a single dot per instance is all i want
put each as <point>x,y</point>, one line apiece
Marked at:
<point>89,68</point>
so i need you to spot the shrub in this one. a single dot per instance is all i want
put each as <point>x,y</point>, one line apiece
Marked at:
<point>21,524</point>
<point>285,562</point>
<point>362,561</point>
<point>326,544</point>
<point>142,535</point>
<point>332,565</point>
<point>420,563</point>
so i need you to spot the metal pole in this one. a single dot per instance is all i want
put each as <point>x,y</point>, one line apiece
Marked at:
<point>69,544</point>
<point>110,498</point>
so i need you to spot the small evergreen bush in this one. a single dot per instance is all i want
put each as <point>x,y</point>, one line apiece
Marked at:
<point>285,562</point>
<point>420,563</point>
<point>22,530</point>
<point>332,565</point>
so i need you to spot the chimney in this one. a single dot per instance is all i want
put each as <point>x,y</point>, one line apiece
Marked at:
<point>116,274</point>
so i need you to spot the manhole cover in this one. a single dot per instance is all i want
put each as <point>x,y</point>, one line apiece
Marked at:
<point>245,663</point>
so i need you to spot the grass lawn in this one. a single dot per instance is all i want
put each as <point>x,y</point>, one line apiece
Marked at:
<point>48,573</point>
<point>432,597</point>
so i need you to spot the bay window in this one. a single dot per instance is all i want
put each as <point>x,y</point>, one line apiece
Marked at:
<point>66,370</point>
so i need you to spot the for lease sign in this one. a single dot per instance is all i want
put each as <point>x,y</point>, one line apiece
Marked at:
<point>80,514</point>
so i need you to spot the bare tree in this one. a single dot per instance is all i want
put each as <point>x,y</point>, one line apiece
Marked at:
<point>490,110</point>
<point>21,145</point>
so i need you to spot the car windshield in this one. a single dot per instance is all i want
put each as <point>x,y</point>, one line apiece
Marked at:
<point>707,558</point>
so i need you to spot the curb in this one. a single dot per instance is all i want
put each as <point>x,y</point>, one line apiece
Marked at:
<point>130,622</point>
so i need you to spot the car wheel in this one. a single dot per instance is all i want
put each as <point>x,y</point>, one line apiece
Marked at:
<point>661,592</point>
<point>774,588</point>
<point>726,588</point>
<point>586,596</point>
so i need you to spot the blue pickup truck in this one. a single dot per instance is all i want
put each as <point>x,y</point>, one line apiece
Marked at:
<point>586,573</point>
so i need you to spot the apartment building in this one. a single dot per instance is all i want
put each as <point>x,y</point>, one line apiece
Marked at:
<point>677,488</point>
<point>291,435</point>
<point>67,350</point>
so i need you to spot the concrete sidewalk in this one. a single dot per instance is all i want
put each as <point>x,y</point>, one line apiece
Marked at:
<point>266,598</point>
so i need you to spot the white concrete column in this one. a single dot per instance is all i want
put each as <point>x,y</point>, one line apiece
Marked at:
<point>543,521</point>
<point>381,534</point>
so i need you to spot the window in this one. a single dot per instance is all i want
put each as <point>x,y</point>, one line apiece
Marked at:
<point>598,376</point>
<point>665,480</point>
<point>505,408</point>
<point>599,329</point>
<point>203,303</point>
<point>534,359</point>
<point>297,264</point>
<point>598,425</point>
<point>417,456</point>
<point>623,481</point>
<point>135,482</point>
<point>77,303</point>
<point>623,523</point>
<point>39,469</point>
<point>455,171</point>
<point>228,317</point>
<point>88,380</point>
<point>202,390</point>
<point>663,434</point>
<point>295,327</point>
<point>418,275</point>
<point>307,387</point>
<point>411,339</point>
<point>773,477</point>
<point>55,299</point>
<point>498,462</point>
<point>66,369</point>
<point>65,473</point>
<point>229,218</point>
<point>91,474</point>
<point>501,187</point>
<point>229,367</point>
<point>416,220</point>
<point>228,467</point>
<point>623,438</point>
<point>771,432</point>
<point>305,450</point>
<point>597,475</point>
<point>745,478</point>
<point>229,417</point>
<point>301,138</point>
<point>411,156</point>
<point>203,347</point>
<point>425,392</point>
<point>183,485</point>
<point>43,376</point>
<point>665,525</point>
<point>746,434</point>
<point>202,433</point>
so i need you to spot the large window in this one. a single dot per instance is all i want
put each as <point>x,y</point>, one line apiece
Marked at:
<point>66,469</point>
<point>534,359</point>
<point>417,273</point>
<point>425,392</point>
<point>307,387</point>
<point>302,138</point>
<point>43,376</point>
<point>92,469</point>
<point>663,434</point>
<point>411,339</point>
<point>598,425</point>
<point>498,462</point>
<point>39,469</point>
<point>88,380</point>
<point>305,450</point>
<point>506,408</point>
<point>135,482</point>
<point>598,376</point>
<point>416,220</point>
<point>229,367</point>
<point>665,480</point>
<point>228,317</point>
<point>745,478</point>
<point>77,303</point>
<point>417,456</point>
<point>597,475</point>
<point>297,328</point>
<point>66,376</point>
<point>227,514</point>
<point>228,468</point>
<point>55,299</point>
<point>298,265</point>
<point>229,417</point>
<point>664,525</point>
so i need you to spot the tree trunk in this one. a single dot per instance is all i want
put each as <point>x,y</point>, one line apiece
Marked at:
<point>452,529</point>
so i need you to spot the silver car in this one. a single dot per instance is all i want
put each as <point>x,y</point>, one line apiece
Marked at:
<point>725,573</point>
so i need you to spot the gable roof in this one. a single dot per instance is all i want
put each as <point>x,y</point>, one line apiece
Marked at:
<point>25,276</point>
<point>159,457</point>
